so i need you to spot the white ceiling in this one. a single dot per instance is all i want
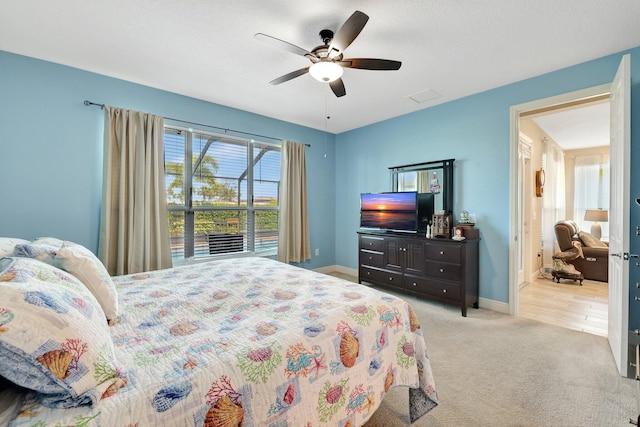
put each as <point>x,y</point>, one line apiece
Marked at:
<point>579,127</point>
<point>205,48</point>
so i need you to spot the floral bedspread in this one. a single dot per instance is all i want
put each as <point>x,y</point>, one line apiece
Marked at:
<point>253,342</point>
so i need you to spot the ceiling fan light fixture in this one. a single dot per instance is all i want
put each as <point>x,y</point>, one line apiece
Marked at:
<point>326,71</point>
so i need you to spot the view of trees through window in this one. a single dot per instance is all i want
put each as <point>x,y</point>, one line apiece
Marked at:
<point>222,193</point>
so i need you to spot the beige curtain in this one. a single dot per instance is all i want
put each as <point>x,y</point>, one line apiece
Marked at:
<point>293,221</point>
<point>553,197</point>
<point>424,182</point>
<point>134,230</point>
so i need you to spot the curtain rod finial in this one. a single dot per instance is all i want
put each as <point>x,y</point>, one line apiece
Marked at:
<point>89,103</point>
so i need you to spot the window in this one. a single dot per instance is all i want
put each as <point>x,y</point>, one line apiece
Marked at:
<point>591,189</point>
<point>222,193</point>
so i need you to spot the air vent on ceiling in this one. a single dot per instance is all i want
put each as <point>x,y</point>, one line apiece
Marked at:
<point>424,96</point>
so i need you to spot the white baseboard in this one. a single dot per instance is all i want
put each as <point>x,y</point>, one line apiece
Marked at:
<point>326,270</point>
<point>337,268</point>
<point>489,304</point>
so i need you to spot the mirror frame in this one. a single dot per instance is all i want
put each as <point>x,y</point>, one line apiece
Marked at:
<point>447,178</point>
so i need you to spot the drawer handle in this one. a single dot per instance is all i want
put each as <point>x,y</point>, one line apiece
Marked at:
<point>390,279</point>
<point>444,291</point>
<point>370,258</point>
<point>368,273</point>
<point>442,270</point>
<point>441,252</point>
<point>414,284</point>
<point>370,243</point>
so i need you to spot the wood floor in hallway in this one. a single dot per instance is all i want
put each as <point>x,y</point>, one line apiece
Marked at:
<point>567,304</point>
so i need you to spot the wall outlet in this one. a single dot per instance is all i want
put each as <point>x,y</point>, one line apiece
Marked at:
<point>317,251</point>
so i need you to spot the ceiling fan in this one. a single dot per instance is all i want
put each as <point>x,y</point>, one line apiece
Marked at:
<point>327,61</point>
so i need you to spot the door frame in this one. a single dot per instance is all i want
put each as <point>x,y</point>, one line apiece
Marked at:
<point>514,125</point>
<point>524,217</point>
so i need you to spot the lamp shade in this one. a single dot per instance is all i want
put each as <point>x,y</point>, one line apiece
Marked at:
<point>326,71</point>
<point>598,215</point>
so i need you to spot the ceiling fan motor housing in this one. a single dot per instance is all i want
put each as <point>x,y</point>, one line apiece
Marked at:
<point>326,36</point>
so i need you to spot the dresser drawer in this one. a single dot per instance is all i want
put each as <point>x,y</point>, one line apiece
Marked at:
<point>380,276</point>
<point>372,243</point>
<point>432,287</point>
<point>444,270</point>
<point>372,258</point>
<point>446,253</point>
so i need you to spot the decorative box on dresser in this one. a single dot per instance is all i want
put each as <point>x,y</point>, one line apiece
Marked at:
<point>442,269</point>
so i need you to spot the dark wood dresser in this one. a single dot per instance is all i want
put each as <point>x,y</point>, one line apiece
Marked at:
<point>441,269</point>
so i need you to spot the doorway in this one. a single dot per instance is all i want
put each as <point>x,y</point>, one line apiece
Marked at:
<point>619,91</point>
<point>523,226</point>
<point>557,139</point>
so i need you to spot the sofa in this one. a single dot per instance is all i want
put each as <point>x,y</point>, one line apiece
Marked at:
<point>594,264</point>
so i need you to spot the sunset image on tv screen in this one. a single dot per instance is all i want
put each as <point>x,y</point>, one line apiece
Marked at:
<point>389,202</point>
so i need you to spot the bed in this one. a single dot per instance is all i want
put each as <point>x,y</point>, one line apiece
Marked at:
<point>246,341</point>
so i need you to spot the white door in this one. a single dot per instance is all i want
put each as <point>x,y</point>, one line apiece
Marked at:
<point>619,216</point>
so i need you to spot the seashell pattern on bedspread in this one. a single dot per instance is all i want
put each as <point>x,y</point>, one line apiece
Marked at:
<point>251,342</point>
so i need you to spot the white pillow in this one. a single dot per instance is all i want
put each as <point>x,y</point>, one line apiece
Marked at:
<point>84,265</point>
<point>7,244</point>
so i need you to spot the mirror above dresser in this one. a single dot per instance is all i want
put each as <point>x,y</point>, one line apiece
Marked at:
<point>430,177</point>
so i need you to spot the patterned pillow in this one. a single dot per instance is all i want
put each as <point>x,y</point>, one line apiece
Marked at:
<point>83,264</point>
<point>7,244</point>
<point>40,251</point>
<point>53,336</point>
<point>79,261</point>
<point>53,241</point>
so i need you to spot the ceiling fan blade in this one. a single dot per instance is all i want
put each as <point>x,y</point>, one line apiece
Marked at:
<point>337,86</point>
<point>289,76</point>
<point>283,45</point>
<point>348,32</point>
<point>370,64</point>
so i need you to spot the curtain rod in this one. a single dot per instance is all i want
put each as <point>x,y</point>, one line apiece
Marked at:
<point>90,103</point>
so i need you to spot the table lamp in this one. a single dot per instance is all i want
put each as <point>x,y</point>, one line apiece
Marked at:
<point>596,215</point>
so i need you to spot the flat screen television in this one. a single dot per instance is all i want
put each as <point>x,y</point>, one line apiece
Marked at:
<point>389,211</point>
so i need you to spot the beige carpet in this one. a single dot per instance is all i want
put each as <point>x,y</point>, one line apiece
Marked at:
<point>492,369</point>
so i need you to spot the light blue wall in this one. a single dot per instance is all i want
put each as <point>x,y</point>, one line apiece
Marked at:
<point>51,155</point>
<point>51,149</point>
<point>475,131</point>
